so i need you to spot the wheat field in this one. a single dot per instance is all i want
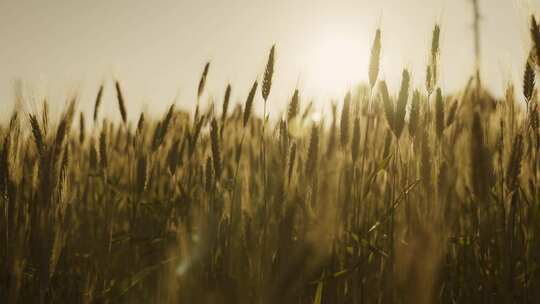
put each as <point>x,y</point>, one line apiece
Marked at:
<point>414,196</point>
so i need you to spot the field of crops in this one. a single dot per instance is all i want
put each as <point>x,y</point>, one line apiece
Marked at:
<point>415,196</point>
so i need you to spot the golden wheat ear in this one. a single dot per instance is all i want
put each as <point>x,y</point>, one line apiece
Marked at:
<point>294,106</point>
<point>121,101</point>
<point>82,130</point>
<point>202,81</point>
<point>97,103</point>
<point>387,104</point>
<point>375,59</point>
<point>249,103</point>
<point>268,73</point>
<point>216,152</point>
<point>225,108</point>
<point>345,121</point>
<point>535,36</point>
<point>401,105</point>
<point>528,81</point>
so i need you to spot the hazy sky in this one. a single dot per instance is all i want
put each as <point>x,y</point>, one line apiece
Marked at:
<point>158,48</point>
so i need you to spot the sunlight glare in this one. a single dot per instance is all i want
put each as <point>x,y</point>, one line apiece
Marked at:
<point>337,63</point>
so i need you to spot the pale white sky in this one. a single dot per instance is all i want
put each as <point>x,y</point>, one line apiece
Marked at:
<point>158,48</point>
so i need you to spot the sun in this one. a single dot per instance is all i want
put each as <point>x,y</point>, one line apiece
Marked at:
<point>336,63</point>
